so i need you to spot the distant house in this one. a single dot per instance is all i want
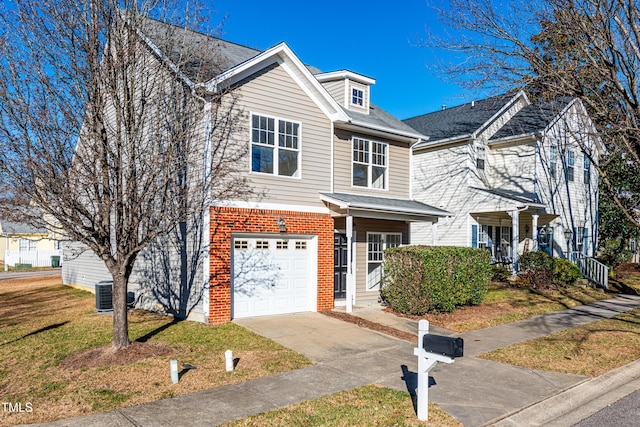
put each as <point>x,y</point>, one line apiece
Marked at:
<point>517,176</point>
<point>22,243</point>
<point>332,179</point>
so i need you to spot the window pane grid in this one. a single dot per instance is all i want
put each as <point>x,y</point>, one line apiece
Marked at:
<point>360,150</point>
<point>357,96</point>
<point>267,157</point>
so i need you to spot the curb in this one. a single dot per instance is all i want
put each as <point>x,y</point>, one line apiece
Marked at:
<point>577,403</point>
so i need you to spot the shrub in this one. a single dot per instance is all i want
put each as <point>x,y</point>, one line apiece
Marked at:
<point>500,273</point>
<point>537,269</point>
<point>539,260</point>
<point>424,279</point>
<point>614,252</point>
<point>565,273</point>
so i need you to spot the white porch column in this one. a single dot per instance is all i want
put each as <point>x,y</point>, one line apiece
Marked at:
<point>515,226</point>
<point>534,232</point>
<point>434,233</point>
<point>350,282</point>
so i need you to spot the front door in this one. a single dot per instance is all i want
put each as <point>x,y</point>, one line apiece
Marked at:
<point>340,265</point>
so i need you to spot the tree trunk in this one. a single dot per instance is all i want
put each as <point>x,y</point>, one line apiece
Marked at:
<point>120,318</point>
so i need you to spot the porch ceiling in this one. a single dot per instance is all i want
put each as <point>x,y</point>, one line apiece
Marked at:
<point>526,215</point>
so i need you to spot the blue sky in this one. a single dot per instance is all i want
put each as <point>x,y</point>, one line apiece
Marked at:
<point>375,38</point>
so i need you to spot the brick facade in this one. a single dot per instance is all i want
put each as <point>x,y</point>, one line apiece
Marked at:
<point>225,221</point>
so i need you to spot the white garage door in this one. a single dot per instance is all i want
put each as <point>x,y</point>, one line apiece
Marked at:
<point>273,275</point>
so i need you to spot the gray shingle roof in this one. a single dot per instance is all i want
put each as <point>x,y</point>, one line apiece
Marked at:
<point>533,118</point>
<point>400,206</point>
<point>524,198</point>
<point>199,56</point>
<point>458,121</point>
<point>20,228</point>
<point>378,117</point>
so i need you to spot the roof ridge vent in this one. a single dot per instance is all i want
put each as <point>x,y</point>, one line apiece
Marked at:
<point>473,104</point>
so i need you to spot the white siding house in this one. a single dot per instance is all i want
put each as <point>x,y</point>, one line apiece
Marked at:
<point>517,176</point>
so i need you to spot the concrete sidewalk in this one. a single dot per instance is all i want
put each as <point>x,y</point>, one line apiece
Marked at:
<point>475,391</point>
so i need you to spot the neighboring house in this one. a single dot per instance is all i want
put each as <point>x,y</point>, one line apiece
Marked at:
<point>517,176</point>
<point>25,244</point>
<point>332,180</point>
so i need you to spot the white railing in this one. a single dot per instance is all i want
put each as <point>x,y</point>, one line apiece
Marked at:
<point>592,269</point>
<point>35,258</point>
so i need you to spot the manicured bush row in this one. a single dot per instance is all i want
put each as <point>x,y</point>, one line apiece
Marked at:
<point>542,270</point>
<point>427,279</point>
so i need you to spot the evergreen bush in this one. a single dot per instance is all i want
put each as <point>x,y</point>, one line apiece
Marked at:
<point>428,279</point>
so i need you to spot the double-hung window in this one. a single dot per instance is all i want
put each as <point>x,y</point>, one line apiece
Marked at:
<point>275,146</point>
<point>369,163</point>
<point>553,160</point>
<point>376,244</point>
<point>587,169</point>
<point>27,245</point>
<point>571,162</point>
<point>357,97</point>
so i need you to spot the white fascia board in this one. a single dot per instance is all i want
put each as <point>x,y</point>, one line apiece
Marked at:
<point>500,112</point>
<point>345,74</point>
<point>442,142</point>
<point>525,137</point>
<point>382,131</point>
<point>602,149</point>
<point>282,54</point>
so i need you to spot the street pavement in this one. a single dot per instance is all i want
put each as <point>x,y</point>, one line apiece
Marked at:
<point>4,275</point>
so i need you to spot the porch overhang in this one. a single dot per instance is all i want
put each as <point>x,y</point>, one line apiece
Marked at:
<point>504,201</point>
<point>342,204</point>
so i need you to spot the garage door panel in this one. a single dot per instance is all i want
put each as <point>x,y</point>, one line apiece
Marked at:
<point>271,276</point>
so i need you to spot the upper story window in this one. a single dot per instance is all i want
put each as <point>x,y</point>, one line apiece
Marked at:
<point>275,146</point>
<point>480,157</point>
<point>553,160</point>
<point>369,163</point>
<point>587,169</point>
<point>357,97</point>
<point>571,162</point>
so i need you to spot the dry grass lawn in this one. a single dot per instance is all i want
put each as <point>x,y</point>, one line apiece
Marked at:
<point>44,324</point>
<point>505,303</point>
<point>589,350</point>
<point>364,406</point>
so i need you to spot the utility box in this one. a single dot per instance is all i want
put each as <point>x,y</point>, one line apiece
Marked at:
<point>446,346</point>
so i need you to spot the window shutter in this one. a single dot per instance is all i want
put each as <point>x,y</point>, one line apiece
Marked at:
<point>474,236</point>
<point>585,241</point>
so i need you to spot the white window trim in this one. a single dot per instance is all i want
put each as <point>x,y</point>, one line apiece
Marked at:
<point>571,166</point>
<point>586,167</point>
<point>370,164</point>
<point>481,154</point>
<point>276,147</point>
<point>553,161</point>
<point>384,246</point>
<point>363,98</point>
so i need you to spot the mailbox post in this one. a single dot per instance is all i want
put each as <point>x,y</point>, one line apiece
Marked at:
<point>431,350</point>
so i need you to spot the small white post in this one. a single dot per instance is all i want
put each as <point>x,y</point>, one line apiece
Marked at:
<point>173,367</point>
<point>350,284</point>
<point>228,356</point>
<point>423,374</point>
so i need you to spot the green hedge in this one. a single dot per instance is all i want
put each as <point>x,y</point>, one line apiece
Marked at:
<point>426,279</point>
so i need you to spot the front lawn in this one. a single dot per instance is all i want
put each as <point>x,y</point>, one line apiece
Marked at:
<point>504,303</point>
<point>589,350</point>
<point>43,324</point>
<point>364,406</point>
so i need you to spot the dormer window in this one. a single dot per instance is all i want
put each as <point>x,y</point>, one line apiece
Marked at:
<point>357,97</point>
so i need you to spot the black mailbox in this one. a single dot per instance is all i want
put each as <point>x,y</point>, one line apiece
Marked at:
<point>451,347</point>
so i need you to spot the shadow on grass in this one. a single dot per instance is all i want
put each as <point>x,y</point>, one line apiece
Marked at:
<point>146,337</point>
<point>38,331</point>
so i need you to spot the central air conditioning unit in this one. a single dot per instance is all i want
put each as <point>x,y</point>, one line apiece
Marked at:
<point>104,296</point>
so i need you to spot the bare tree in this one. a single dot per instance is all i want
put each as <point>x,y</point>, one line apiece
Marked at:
<point>105,126</point>
<point>582,48</point>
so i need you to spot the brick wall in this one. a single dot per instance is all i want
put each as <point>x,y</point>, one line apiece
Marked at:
<point>225,221</point>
